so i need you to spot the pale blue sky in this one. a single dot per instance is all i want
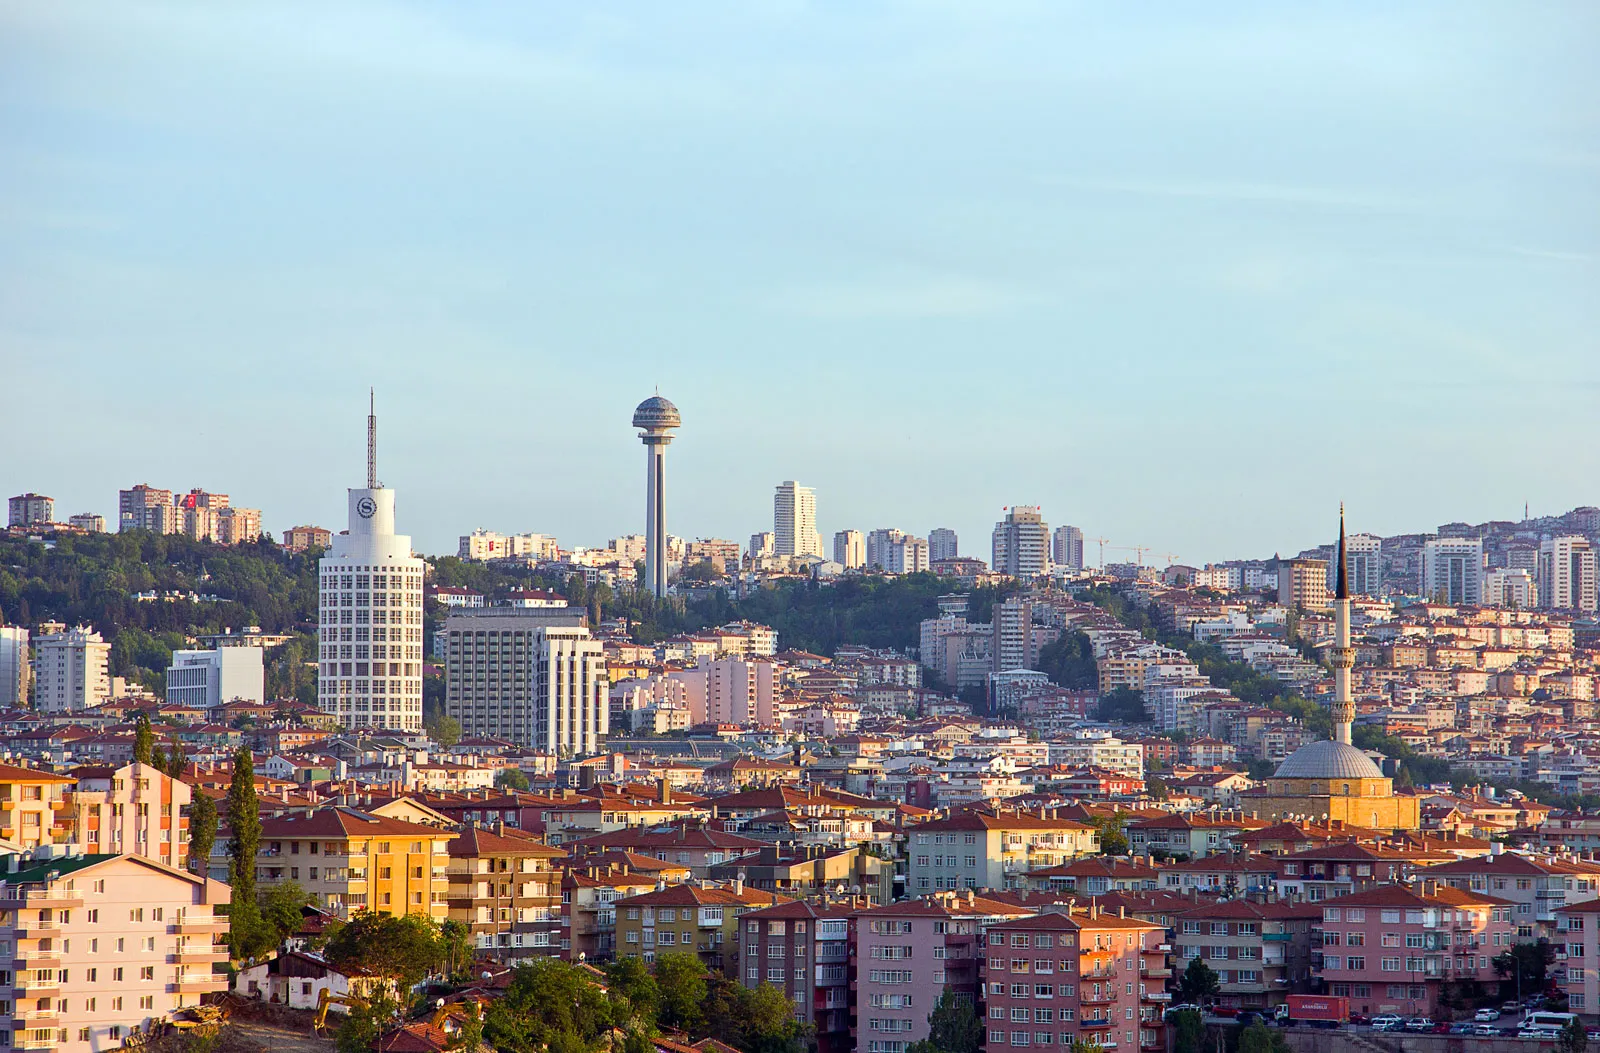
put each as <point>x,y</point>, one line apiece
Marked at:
<point>1185,274</point>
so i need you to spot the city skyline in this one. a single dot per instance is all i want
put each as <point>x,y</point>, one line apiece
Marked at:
<point>1211,226</point>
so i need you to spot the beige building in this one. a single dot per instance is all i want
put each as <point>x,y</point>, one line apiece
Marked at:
<point>105,946</point>
<point>300,538</point>
<point>70,669</point>
<point>1303,584</point>
<point>146,508</point>
<point>236,526</point>
<point>982,850</point>
<point>32,806</point>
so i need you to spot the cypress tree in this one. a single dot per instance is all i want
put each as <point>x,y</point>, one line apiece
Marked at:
<point>202,831</point>
<point>144,740</point>
<point>244,819</point>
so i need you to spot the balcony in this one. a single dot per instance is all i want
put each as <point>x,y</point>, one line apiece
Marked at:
<point>1161,970</point>
<point>38,1017</point>
<point>26,1043</point>
<point>196,926</point>
<point>1156,996</point>
<point>1277,937</point>
<point>1096,1025</point>
<point>1097,999</point>
<point>189,982</point>
<point>26,960</point>
<point>26,985</point>
<point>37,896</point>
<point>197,954</point>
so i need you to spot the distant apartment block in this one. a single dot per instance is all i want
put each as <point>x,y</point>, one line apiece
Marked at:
<point>1567,574</point>
<point>32,509</point>
<point>850,549</point>
<point>1510,588</point>
<point>1452,570</point>
<point>70,669</point>
<point>943,544</point>
<point>302,538</point>
<point>794,521</point>
<point>145,508</point>
<point>486,544</point>
<point>1303,584</point>
<point>14,668</point>
<point>89,522</point>
<point>1021,543</point>
<point>1066,547</point>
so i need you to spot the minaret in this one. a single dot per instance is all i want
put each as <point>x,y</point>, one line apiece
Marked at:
<point>656,419</point>
<point>1343,656</point>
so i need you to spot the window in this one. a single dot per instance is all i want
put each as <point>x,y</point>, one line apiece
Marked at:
<point>147,972</point>
<point>1390,965</point>
<point>1356,962</point>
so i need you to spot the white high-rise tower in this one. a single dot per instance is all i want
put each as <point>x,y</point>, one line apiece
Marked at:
<point>794,521</point>
<point>369,625</point>
<point>656,419</point>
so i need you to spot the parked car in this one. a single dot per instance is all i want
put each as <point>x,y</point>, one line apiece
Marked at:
<point>1458,1029</point>
<point>1419,1023</point>
<point>1223,1010</point>
<point>1486,1015</point>
<point>1539,1033</point>
<point>1386,1022</point>
<point>1485,1031</point>
<point>1182,1007</point>
<point>1360,1018</point>
<point>1593,1034</point>
<point>1512,1008</point>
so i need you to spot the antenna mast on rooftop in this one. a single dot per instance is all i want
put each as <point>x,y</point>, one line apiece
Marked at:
<point>372,440</point>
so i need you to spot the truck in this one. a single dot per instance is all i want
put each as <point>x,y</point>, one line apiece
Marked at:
<point>1316,1011</point>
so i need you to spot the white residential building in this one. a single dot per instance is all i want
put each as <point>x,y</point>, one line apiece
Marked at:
<point>1452,570</point>
<point>486,544</point>
<point>794,521</point>
<point>1567,574</point>
<point>70,670</point>
<point>14,677</point>
<point>1510,588</point>
<point>943,544</point>
<point>1363,565</point>
<point>850,549</point>
<point>203,679</point>
<point>92,522</point>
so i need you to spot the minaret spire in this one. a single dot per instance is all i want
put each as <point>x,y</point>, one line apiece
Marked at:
<point>1341,589</point>
<point>1342,656</point>
<point>372,439</point>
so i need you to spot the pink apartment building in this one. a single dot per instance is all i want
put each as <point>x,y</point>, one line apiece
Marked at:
<point>1391,949</point>
<point>1577,945</point>
<point>1089,975</point>
<point>908,953</point>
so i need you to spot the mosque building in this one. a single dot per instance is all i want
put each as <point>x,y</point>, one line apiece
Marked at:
<point>1332,779</point>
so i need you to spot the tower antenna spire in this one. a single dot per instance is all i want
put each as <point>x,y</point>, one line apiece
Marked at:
<point>372,439</point>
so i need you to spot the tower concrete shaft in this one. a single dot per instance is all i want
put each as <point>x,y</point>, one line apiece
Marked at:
<point>656,419</point>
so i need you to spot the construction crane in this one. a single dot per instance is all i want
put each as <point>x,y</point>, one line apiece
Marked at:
<point>1170,557</point>
<point>1102,542</point>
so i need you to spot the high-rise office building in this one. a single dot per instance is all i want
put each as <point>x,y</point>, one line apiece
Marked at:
<point>1066,547</point>
<point>370,614</point>
<point>1567,574</point>
<point>14,667</point>
<point>1452,570</point>
<point>943,543</point>
<point>145,508</point>
<point>531,675</point>
<point>656,419</point>
<point>794,521</point>
<point>850,549</point>
<point>70,669</point>
<point>31,509</point>
<point>1021,543</point>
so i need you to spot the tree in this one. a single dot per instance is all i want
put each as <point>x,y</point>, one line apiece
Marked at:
<point>549,1005</point>
<point>953,1027</point>
<point>281,909</point>
<point>202,831</point>
<point>244,819</point>
<point>1573,1038</point>
<point>631,981</point>
<point>455,944</point>
<point>446,731</point>
<point>366,1023</point>
<point>511,779</point>
<point>404,948</point>
<point>1122,704</point>
<point>143,740</point>
<point>767,1022</point>
<point>158,758</point>
<point>1199,983</point>
<point>1258,1038</point>
<point>1188,1031</point>
<point>1113,833</point>
<point>681,985</point>
<point>1524,967</point>
<point>176,761</point>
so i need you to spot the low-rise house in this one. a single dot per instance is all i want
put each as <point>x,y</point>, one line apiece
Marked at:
<point>295,979</point>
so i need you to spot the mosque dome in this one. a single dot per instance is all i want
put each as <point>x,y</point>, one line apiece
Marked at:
<point>1328,760</point>
<point>656,412</point>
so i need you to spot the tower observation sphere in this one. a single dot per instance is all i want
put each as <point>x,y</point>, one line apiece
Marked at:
<point>656,419</point>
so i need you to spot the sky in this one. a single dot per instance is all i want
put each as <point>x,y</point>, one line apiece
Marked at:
<point>1186,275</point>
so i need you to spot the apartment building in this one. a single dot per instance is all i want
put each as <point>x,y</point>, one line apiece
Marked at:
<point>1021,543</point>
<point>1066,548</point>
<point>303,538</point>
<point>70,669</point>
<point>589,898</point>
<point>803,949</point>
<point>794,521</point>
<point>238,526</point>
<point>703,919</point>
<point>1087,975</point>
<point>1391,949</point>
<point>134,808</point>
<point>1537,888</point>
<point>850,549</point>
<point>105,946</point>
<point>1260,951</point>
<point>30,805</point>
<point>1567,574</point>
<point>1452,570</point>
<point>26,510</point>
<point>977,849</point>
<point>530,675</point>
<point>207,679</point>
<point>1303,584</point>
<point>88,522</point>
<point>505,888</point>
<point>908,953</point>
<point>352,861</point>
<point>1577,945</point>
<point>145,508</point>
<point>943,543</point>
<point>15,668</point>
